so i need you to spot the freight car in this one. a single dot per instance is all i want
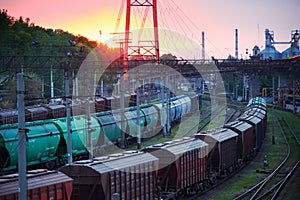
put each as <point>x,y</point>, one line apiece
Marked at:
<point>246,140</point>
<point>58,110</point>
<point>130,175</point>
<point>185,165</point>
<point>47,139</point>
<point>46,142</point>
<point>41,185</point>
<point>257,101</point>
<point>182,166</point>
<point>223,152</point>
<point>257,129</point>
<point>259,112</point>
<point>52,111</point>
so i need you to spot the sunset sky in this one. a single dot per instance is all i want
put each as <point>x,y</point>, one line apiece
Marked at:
<point>217,18</point>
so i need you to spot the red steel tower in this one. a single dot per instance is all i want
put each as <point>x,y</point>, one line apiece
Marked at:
<point>152,49</point>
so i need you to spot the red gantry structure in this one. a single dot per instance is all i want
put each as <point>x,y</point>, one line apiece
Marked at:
<point>152,49</point>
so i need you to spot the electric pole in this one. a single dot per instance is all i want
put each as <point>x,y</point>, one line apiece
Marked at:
<point>273,101</point>
<point>68,116</point>
<point>22,138</point>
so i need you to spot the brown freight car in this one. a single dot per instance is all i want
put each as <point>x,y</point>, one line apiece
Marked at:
<point>8,116</point>
<point>41,185</point>
<point>246,139</point>
<point>129,175</point>
<point>261,114</point>
<point>37,113</point>
<point>100,104</point>
<point>257,129</point>
<point>56,111</point>
<point>222,150</point>
<point>182,165</point>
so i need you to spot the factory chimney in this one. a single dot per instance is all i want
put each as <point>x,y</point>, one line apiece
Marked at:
<point>236,44</point>
<point>203,47</point>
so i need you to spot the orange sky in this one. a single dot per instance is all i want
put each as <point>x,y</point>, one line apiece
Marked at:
<point>217,18</point>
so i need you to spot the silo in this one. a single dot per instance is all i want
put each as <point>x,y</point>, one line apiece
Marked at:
<point>269,52</point>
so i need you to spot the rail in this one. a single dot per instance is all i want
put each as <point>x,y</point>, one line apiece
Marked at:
<point>259,190</point>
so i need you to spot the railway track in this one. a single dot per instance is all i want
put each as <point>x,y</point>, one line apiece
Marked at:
<point>271,186</point>
<point>234,114</point>
<point>205,119</point>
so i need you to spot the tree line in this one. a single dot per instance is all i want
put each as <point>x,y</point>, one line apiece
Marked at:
<point>21,38</point>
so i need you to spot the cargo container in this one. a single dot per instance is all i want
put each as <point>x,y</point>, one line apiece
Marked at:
<point>129,175</point>
<point>222,149</point>
<point>41,185</point>
<point>257,129</point>
<point>182,164</point>
<point>246,140</point>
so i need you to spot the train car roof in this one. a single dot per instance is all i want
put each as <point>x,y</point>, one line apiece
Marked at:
<point>239,125</point>
<point>37,109</point>
<point>255,112</point>
<point>35,179</point>
<point>118,161</point>
<point>179,146</point>
<point>257,101</point>
<point>219,134</point>
<point>250,119</point>
<point>55,106</point>
<point>5,113</point>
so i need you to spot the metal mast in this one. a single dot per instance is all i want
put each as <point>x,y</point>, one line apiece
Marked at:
<point>137,3</point>
<point>22,138</point>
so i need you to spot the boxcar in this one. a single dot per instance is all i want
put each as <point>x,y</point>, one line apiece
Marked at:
<point>132,100</point>
<point>257,129</point>
<point>261,114</point>
<point>222,149</point>
<point>81,107</point>
<point>8,116</point>
<point>56,111</point>
<point>109,102</point>
<point>131,175</point>
<point>246,139</point>
<point>182,164</point>
<point>41,185</point>
<point>37,113</point>
<point>100,104</point>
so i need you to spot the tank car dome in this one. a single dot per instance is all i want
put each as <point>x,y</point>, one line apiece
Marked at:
<point>270,53</point>
<point>288,53</point>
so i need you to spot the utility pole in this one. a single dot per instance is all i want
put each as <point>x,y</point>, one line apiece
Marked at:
<point>43,86</point>
<point>138,136</point>
<point>138,118</point>
<point>68,116</point>
<point>122,96</point>
<point>294,102</point>
<point>162,78</point>
<point>168,127</point>
<point>90,131</point>
<point>273,94</point>
<point>22,138</point>
<point>51,84</point>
